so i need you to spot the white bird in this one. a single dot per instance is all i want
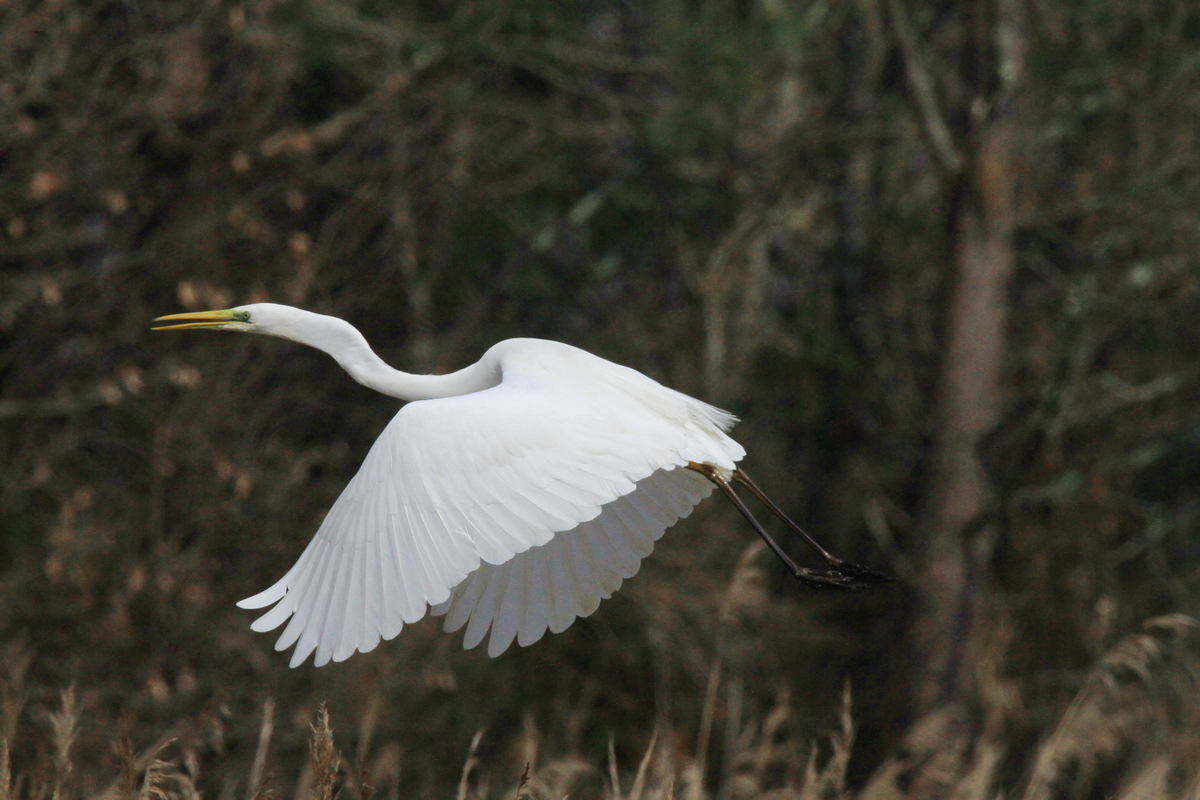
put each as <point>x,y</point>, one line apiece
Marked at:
<point>512,495</point>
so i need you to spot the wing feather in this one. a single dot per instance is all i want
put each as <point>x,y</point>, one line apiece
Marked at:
<point>538,598</point>
<point>371,588</point>
<point>331,627</point>
<point>642,511</point>
<point>604,579</point>
<point>395,589</point>
<point>667,497</point>
<point>305,595</point>
<point>460,605</point>
<point>391,619</point>
<point>342,628</point>
<point>310,616</point>
<point>559,596</point>
<point>597,578</point>
<point>509,585</point>
<point>485,609</point>
<point>625,559</point>
<point>428,570</point>
<point>366,622</point>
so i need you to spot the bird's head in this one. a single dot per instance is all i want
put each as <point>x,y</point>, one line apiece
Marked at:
<point>267,318</point>
<point>230,319</point>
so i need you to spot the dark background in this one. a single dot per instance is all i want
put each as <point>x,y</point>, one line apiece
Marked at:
<point>941,258</point>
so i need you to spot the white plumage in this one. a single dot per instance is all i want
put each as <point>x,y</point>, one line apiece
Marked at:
<point>511,496</point>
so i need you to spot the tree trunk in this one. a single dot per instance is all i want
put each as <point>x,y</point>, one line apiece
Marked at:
<point>952,582</point>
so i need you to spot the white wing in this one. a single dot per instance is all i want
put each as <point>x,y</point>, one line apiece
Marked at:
<point>454,482</point>
<point>550,585</point>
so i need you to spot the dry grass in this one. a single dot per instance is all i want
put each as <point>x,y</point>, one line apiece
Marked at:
<point>325,760</point>
<point>1129,734</point>
<point>163,772</point>
<point>1137,716</point>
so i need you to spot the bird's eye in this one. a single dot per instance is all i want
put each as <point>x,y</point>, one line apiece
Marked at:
<point>241,316</point>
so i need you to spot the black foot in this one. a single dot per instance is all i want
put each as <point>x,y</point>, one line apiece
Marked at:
<point>843,576</point>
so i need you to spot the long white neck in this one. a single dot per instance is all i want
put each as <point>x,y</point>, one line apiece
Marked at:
<point>342,340</point>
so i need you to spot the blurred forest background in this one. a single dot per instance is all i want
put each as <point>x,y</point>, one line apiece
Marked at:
<point>941,258</point>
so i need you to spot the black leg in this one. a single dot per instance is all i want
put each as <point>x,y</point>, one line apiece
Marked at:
<point>830,559</point>
<point>841,575</point>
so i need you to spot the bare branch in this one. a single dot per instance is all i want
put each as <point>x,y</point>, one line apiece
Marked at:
<point>922,86</point>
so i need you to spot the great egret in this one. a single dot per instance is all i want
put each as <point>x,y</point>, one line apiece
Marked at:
<point>514,494</point>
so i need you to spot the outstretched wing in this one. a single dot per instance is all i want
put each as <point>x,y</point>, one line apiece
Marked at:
<point>454,482</point>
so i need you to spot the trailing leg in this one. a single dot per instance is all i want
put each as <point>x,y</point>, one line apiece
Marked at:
<point>841,575</point>
<point>868,576</point>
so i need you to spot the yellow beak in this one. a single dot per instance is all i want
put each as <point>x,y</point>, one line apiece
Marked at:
<point>198,319</point>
